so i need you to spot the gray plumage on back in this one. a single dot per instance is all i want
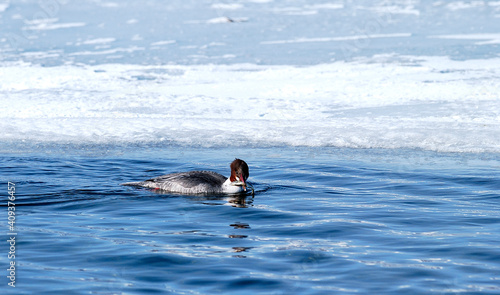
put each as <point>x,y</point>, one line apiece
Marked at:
<point>185,182</point>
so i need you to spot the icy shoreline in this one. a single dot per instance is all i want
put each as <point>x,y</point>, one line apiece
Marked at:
<point>430,103</point>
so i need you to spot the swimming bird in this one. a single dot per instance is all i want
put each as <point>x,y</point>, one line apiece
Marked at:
<point>200,182</point>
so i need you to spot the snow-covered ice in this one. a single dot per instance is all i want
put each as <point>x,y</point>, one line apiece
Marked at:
<point>422,102</point>
<point>364,74</point>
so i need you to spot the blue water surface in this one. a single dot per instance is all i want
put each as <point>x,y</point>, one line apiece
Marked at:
<point>321,221</point>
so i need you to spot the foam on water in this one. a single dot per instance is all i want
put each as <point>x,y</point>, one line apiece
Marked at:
<point>387,101</point>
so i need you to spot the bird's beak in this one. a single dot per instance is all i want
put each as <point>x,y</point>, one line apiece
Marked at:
<point>242,179</point>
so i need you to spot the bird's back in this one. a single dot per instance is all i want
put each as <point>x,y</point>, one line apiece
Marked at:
<point>193,182</point>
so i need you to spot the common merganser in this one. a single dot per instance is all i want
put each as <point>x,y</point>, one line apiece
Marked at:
<point>200,182</point>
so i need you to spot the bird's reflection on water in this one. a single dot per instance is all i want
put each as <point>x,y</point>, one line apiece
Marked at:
<point>238,201</point>
<point>242,200</point>
<point>240,249</point>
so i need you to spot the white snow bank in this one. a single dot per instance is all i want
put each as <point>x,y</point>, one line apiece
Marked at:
<point>431,103</point>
